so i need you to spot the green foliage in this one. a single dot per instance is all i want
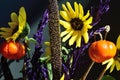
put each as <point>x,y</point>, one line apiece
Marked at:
<point>108,77</point>
<point>25,32</point>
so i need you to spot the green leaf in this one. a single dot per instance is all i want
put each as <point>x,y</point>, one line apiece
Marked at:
<point>43,59</point>
<point>25,32</point>
<point>30,40</point>
<point>65,57</point>
<point>49,67</point>
<point>108,77</point>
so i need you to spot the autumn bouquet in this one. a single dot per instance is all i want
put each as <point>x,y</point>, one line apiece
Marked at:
<point>75,44</point>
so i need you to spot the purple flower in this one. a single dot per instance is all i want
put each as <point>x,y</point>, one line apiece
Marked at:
<point>99,10</point>
<point>33,66</point>
<point>39,35</point>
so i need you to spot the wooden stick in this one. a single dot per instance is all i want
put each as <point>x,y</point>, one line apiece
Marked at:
<point>55,40</point>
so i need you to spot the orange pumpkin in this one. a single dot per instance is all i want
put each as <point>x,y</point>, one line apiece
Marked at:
<point>12,50</point>
<point>102,50</point>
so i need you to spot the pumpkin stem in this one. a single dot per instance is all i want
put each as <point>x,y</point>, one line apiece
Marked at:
<point>107,27</point>
<point>95,33</point>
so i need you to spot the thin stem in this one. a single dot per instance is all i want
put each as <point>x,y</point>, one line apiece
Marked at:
<point>88,70</point>
<point>5,68</point>
<point>99,35</point>
<point>107,27</point>
<point>102,74</point>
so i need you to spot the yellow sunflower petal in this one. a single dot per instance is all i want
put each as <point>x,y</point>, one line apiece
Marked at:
<point>117,63</point>
<point>5,34</point>
<point>76,9</point>
<point>47,43</point>
<point>67,36</point>
<point>66,10</point>
<point>72,12</point>
<point>86,16</point>
<point>6,29</point>
<point>13,25</point>
<point>65,15</point>
<point>88,26</point>
<point>118,42</point>
<point>105,62</point>
<point>63,77</point>
<point>22,17</point>
<point>47,51</point>
<point>78,41</point>
<point>65,24</point>
<point>112,67</point>
<point>14,17</point>
<point>65,32</point>
<point>89,21</point>
<point>109,63</point>
<point>73,38</point>
<point>86,37</point>
<point>81,11</point>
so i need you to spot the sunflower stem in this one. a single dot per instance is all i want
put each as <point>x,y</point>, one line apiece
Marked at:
<point>55,40</point>
<point>102,74</point>
<point>5,68</point>
<point>87,72</point>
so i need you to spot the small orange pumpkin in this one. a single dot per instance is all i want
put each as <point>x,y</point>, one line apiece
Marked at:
<point>102,50</point>
<point>12,50</point>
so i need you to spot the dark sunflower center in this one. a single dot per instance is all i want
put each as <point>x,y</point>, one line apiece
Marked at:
<point>76,24</point>
<point>15,30</point>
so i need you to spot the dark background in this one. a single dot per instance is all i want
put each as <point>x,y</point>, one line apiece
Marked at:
<point>35,9</point>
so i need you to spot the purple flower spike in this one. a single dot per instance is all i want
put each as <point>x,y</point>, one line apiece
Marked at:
<point>39,35</point>
<point>98,11</point>
<point>33,72</point>
<point>91,34</point>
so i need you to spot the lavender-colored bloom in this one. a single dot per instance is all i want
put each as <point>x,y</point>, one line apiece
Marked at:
<point>91,34</point>
<point>27,69</point>
<point>38,48</point>
<point>33,70</point>
<point>99,10</point>
<point>44,71</point>
<point>39,35</point>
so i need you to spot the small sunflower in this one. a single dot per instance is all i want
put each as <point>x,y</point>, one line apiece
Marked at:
<point>47,54</point>
<point>76,24</point>
<point>47,49</point>
<point>16,26</point>
<point>114,62</point>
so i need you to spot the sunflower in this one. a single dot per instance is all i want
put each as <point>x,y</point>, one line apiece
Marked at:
<point>47,49</point>
<point>16,26</point>
<point>114,62</point>
<point>76,24</point>
<point>47,54</point>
